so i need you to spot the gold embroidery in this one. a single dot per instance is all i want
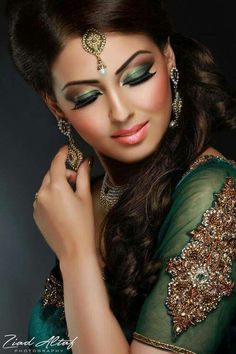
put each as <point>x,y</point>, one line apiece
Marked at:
<point>53,293</point>
<point>161,345</point>
<point>205,158</point>
<point>201,274</point>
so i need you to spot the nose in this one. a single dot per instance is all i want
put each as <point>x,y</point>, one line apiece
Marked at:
<point>119,109</point>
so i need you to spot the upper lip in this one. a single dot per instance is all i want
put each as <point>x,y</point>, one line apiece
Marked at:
<point>133,129</point>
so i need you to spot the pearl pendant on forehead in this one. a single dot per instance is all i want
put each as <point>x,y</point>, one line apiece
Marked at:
<point>103,71</point>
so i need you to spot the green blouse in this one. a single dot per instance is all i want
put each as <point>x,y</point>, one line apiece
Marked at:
<point>192,306</point>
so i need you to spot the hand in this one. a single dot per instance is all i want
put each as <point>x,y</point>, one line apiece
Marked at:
<point>65,217</point>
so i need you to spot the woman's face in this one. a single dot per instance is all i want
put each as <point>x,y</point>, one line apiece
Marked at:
<point>116,100</point>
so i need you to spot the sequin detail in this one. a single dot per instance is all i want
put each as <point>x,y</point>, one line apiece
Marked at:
<point>53,293</point>
<point>201,274</point>
<point>160,345</point>
<point>204,158</point>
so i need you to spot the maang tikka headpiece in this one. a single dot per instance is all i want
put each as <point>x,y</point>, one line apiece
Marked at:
<point>93,41</point>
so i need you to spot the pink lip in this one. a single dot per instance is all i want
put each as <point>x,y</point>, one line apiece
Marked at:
<point>125,132</point>
<point>134,138</point>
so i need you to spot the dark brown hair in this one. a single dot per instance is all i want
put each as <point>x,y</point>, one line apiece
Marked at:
<point>37,31</point>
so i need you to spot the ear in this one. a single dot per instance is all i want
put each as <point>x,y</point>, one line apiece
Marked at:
<point>169,55</point>
<point>52,105</point>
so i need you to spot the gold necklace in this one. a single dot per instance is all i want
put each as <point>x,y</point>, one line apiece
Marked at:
<point>110,192</point>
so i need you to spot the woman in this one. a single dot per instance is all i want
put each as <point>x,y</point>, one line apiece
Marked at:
<point>159,224</point>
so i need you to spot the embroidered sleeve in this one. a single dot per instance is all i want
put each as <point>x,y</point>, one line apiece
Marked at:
<point>201,274</point>
<point>192,305</point>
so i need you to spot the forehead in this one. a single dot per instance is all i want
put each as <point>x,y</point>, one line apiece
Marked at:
<point>74,59</point>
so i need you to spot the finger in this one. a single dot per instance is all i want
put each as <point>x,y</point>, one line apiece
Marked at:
<point>83,178</point>
<point>45,182</point>
<point>34,203</point>
<point>58,167</point>
<point>71,176</point>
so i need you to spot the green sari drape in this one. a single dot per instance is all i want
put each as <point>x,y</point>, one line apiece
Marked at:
<point>192,306</point>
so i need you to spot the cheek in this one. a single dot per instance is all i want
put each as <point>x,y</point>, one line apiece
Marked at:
<point>89,129</point>
<point>157,94</point>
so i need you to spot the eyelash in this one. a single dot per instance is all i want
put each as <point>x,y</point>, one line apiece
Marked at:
<point>146,76</point>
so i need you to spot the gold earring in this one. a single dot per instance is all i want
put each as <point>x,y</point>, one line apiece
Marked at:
<point>93,41</point>
<point>177,102</point>
<point>75,156</point>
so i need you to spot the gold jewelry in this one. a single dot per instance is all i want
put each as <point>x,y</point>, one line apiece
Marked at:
<point>93,41</point>
<point>74,156</point>
<point>110,193</point>
<point>177,102</point>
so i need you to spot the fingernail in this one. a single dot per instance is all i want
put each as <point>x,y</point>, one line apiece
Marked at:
<point>90,160</point>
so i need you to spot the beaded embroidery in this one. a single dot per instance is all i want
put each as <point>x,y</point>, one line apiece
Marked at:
<point>53,293</point>
<point>201,274</point>
<point>160,345</point>
<point>204,158</point>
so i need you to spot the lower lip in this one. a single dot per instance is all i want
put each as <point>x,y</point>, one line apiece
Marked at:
<point>134,138</point>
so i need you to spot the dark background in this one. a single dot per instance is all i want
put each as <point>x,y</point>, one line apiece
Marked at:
<point>29,140</point>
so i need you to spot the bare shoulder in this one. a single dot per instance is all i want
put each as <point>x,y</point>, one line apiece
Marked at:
<point>211,151</point>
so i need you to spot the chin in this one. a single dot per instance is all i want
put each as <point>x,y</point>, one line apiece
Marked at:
<point>138,155</point>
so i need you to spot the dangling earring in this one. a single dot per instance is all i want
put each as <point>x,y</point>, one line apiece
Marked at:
<point>177,102</point>
<point>75,156</point>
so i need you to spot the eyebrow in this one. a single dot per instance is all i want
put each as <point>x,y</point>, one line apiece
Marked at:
<point>123,66</point>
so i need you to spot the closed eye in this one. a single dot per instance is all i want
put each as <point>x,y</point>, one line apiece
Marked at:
<point>139,75</point>
<point>82,103</point>
<point>140,79</point>
<point>131,82</point>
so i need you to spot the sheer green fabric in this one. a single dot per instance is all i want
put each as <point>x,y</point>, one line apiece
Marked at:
<point>46,325</point>
<point>193,195</point>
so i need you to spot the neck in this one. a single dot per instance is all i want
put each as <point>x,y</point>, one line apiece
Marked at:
<point>119,172</point>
